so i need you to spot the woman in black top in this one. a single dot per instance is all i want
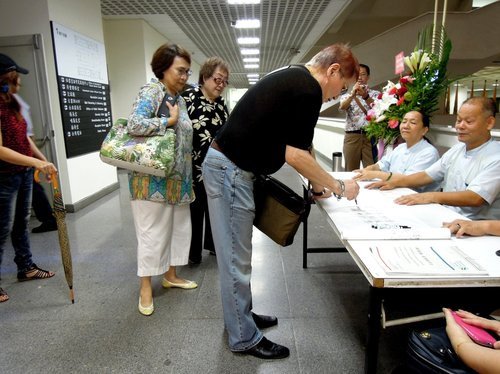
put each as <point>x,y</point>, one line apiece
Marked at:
<point>208,112</point>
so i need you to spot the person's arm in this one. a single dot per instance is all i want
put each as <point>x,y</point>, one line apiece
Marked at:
<point>481,359</point>
<point>400,180</point>
<point>462,227</point>
<point>372,172</point>
<point>344,104</point>
<point>373,167</point>
<point>16,158</point>
<point>36,152</point>
<point>143,120</point>
<point>302,161</point>
<point>457,198</point>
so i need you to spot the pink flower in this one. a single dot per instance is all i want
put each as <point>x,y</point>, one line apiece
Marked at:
<point>380,96</point>
<point>393,123</point>
<point>400,101</point>
<point>369,117</point>
<point>406,79</point>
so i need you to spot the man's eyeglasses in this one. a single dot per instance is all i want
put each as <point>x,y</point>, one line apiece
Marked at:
<point>219,81</point>
<point>183,72</point>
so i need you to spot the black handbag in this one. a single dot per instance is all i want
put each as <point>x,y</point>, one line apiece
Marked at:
<point>278,210</point>
<point>430,351</point>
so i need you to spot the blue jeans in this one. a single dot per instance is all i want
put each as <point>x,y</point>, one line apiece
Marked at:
<point>232,210</point>
<point>15,209</point>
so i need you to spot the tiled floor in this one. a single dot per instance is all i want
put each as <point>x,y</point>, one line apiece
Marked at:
<point>322,310</point>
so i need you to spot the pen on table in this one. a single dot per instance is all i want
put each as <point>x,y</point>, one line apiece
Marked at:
<point>390,227</point>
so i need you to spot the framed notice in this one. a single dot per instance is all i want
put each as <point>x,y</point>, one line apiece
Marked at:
<point>82,80</point>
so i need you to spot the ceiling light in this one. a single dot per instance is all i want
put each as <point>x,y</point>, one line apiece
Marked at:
<point>251,83</point>
<point>237,2</point>
<point>250,51</point>
<point>251,59</point>
<point>247,24</point>
<point>248,40</point>
<point>251,66</point>
<point>252,75</point>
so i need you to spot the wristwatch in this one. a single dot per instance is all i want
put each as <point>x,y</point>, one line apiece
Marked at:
<point>321,193</point>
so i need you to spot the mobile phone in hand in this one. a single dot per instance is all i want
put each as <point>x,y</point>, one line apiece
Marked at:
<point>477,334</point>
<point>163,109</point>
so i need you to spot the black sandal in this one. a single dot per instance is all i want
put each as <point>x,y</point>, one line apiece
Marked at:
<point>3,296</point>
<point>34,272</point>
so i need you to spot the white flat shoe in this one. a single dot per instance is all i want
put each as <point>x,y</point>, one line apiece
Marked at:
<point>189,285</point>
<point>146,310</point>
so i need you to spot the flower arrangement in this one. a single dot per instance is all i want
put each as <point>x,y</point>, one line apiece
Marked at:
<point>419,89</point>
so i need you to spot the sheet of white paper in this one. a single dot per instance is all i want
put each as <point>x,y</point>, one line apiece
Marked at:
<point>439,259</point>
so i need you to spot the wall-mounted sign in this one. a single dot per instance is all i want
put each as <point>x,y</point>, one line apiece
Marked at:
<point>399,63</point>
<point>82,79</point>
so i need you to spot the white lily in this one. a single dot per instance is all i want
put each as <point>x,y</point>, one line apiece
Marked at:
<point>424,61</point>
<point>408,63</point>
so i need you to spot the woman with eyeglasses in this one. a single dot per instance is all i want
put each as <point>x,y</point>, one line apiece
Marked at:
<point>160,206</point>
<point>208,112</point>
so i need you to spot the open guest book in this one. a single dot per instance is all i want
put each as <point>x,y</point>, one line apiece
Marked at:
<point>375,215</point>
<point>358,223</point>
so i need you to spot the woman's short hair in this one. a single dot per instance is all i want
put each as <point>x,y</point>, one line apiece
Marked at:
<point>209,66</point>
<point>339,53</point>
<point>164,56</point>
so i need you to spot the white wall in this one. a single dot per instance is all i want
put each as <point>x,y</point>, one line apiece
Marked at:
<point>126,62</point>
<point>85,175</point>
<point>130,45</point>
<point>151,40</point>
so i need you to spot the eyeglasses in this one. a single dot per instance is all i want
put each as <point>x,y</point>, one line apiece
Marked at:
<point>219,81</point>
<point>183,72</point>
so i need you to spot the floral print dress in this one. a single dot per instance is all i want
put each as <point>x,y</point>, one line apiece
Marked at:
<point>177,189</point>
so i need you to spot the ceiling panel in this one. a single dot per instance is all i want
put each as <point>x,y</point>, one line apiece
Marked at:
<point>285,26</point>
<point>292,31</point>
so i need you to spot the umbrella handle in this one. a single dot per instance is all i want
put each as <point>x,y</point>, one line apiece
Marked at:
<point>53,178</point>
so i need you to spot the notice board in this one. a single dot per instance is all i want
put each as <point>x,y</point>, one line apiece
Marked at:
<point>82,80</point>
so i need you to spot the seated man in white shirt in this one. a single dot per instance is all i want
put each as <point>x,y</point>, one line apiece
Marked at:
<point>470,170</point>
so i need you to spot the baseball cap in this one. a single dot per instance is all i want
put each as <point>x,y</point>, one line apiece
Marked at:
<point>7,64</point>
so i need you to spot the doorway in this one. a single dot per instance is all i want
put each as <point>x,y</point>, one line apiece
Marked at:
<point>27,51</point>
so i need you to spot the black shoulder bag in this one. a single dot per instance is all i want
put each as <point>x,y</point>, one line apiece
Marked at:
<point>278,209</point>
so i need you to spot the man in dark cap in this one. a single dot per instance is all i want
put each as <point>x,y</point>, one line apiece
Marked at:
<point>7,64</point>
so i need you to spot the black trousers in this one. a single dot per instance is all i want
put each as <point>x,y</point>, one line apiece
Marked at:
<point>200,239</point>
<point>41,205</point>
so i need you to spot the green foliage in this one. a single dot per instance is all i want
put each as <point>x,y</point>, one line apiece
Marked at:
<point>419,90</point>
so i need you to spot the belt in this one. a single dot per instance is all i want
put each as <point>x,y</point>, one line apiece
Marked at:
<point>214,145</point>
<point>355,132</point>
